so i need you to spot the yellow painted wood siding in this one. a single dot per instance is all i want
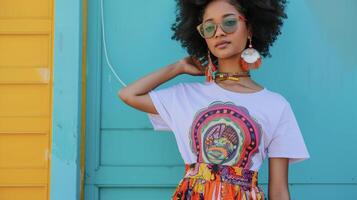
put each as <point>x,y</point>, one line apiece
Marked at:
<point>26,55</point>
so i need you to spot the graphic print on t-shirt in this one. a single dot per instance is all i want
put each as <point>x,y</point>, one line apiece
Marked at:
<point>225,133</point>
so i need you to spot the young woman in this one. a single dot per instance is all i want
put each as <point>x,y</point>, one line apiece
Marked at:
<point>226,126</point>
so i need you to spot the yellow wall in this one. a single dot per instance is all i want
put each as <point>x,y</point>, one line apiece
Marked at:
<point>26,49</point>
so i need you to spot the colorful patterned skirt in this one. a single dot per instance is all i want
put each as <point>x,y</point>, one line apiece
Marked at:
<point>206,181</point>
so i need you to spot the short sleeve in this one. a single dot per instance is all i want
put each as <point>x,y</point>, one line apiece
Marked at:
<point>164,102</point>
<point>158,123</point>
<point>287,140</point>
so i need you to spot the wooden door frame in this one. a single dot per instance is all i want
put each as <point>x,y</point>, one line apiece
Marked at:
<point>65,175</point>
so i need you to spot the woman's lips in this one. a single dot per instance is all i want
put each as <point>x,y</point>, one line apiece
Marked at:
<point>223,45</point>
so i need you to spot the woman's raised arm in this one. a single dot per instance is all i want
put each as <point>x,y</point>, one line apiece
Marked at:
<point>136,94</point>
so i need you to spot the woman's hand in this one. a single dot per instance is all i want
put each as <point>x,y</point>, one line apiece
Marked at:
<point>191,65</point>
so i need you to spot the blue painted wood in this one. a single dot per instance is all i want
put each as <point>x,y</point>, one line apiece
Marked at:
<point>313,68</point>
<point>66,121</point>
<point>312,65</point>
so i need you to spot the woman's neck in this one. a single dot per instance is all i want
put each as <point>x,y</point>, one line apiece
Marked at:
<point>230,65</point>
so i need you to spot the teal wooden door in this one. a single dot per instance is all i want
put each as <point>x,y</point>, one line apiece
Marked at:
<point>125,158</point>
<point>313,66</point>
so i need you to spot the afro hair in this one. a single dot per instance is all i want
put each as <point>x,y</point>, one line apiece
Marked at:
<point>264,19</point>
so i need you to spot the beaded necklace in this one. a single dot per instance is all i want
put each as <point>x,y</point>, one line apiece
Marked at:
<point>220,76</point>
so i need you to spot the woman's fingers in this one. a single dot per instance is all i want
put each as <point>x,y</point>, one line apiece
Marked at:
<point>197,63</point>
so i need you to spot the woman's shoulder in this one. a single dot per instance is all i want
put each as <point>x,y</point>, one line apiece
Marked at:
<point>275,99</point>
<point>180,87</point>
<point>193,85</point>
<point>278,96</point>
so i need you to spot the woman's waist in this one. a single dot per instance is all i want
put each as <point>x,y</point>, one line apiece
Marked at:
<point>217,172</point>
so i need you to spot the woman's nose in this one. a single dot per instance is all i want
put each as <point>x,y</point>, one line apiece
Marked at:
<point>219,31</point>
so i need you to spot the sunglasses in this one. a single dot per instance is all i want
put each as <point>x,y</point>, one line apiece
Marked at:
<point>229,25</point>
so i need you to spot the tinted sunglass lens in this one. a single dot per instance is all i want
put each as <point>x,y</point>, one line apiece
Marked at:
<point>208,29</point>
<point>229,25</point>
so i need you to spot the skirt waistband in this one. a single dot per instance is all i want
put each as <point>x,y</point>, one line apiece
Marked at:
<point>222,173</point>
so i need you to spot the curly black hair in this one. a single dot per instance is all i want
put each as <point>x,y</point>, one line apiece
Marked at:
<point>264,19</point>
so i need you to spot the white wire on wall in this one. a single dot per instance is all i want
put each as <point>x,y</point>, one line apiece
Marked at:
<point>105,45</point>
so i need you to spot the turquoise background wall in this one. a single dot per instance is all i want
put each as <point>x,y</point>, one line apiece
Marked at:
<point>313,65</point>
<point>65,176</point>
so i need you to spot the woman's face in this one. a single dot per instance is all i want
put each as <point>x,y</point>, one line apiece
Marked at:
<point>215,12</point>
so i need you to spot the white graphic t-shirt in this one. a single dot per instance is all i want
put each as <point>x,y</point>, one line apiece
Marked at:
<point>212,124</point>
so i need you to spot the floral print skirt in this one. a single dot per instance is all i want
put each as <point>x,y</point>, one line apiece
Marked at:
<point>207,181</point>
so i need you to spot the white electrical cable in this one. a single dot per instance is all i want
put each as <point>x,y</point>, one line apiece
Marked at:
<point>105,45</point>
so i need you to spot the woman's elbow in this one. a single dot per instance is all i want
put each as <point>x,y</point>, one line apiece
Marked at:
<point>124,95</point>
